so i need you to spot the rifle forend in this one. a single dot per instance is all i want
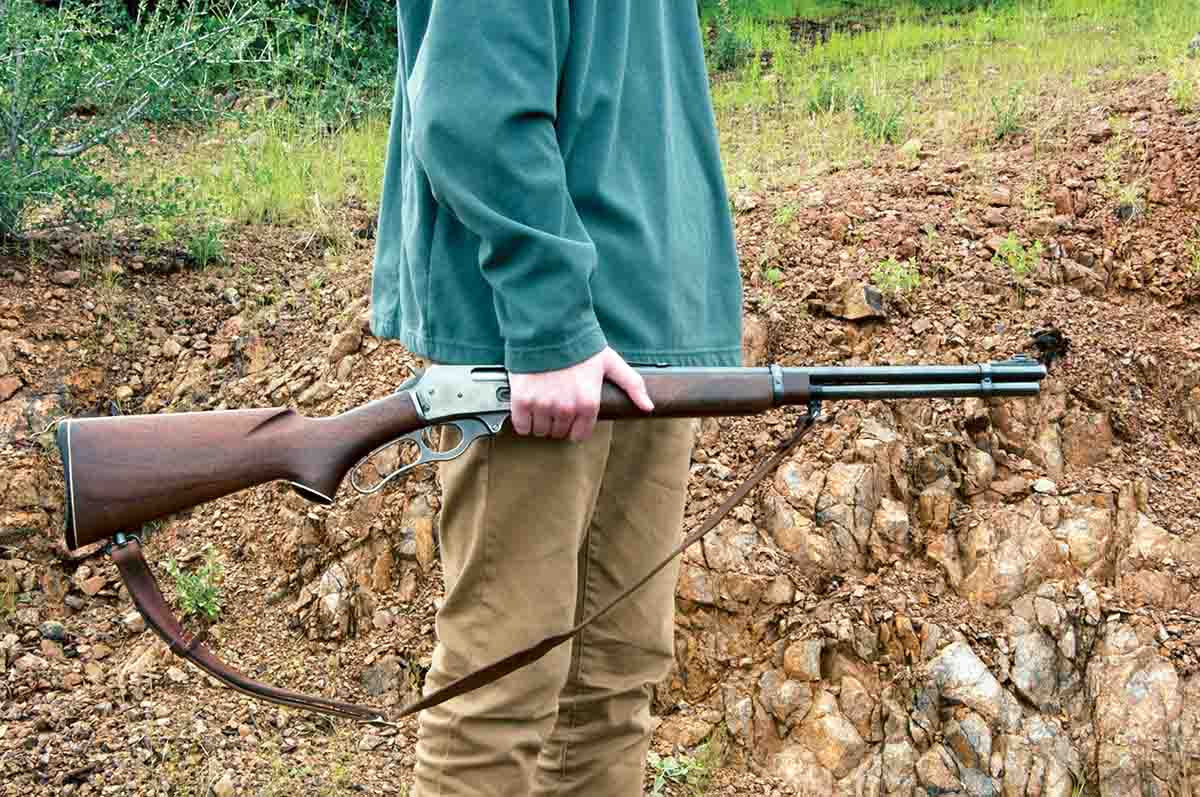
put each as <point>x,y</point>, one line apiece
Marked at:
<point>123,471</point>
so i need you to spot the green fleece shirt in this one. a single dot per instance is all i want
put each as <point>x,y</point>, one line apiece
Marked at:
<point>553,185</point>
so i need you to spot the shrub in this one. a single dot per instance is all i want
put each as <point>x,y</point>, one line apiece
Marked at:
<point>80,78</point>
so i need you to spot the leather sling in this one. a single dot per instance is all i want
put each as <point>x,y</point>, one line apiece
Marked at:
<point>143,588</point>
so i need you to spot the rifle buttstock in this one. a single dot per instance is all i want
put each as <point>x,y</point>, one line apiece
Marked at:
<point>123,471</point>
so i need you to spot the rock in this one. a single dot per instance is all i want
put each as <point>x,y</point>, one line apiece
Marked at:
<point>739,717</point>
<point>936,770</point>
<point>890,537</point>
<point>176,675</point>
<point>1086,438</point>
<point>971,740</point>
<point>979,469</point>
<point>1138,702</point>
<point>744,202</point>
<point>93,585</point>
<point>755,347</point>
<point>225,786</point>
<point>370,741</point>
<point>854,301</point>
<point>9,385</point>
<point>1099,132</point>
<point>781,591</point>
<point>839,227</point>
<point>345,344</point>
<point>30,663</point>
<point>1045,487</point>
<point>962,677</point>
<point>847,507</point>
<point>912,148</point>
<point>133,621</point>
<point>994,217</point>
<point>799,768</point>
<point>384,677</point>
<point>1000,197</point>
<point>417,519</point>
<point>684,730</point>
<point>53,630</point>
<point>172,349</point>
<point>696,585</point>
<point>1035,664</point>
<point>786,699</point>
<point>831,737</point>
<point>1043,228</point>
<point>65,278</point>
<point>899,768</point>
<point>3,365</point>
<point>802,660</point>
<point>1063,201</point>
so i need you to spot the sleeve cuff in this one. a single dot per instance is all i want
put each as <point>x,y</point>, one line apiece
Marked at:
<point>535,359</point>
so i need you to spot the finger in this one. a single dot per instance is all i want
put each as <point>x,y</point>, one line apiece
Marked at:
<point>541,422</point>
<point>561,425</point>
<point>522,420</point>
<point>585,416</point>
<point>631,382</point>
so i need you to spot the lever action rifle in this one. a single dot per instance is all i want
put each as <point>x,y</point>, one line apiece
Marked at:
<point>121,472</point>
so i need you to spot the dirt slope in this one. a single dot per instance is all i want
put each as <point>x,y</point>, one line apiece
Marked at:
<point>960,596</point>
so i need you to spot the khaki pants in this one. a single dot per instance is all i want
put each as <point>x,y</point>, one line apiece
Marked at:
<point>535,534</point>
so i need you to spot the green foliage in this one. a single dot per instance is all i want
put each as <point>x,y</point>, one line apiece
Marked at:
<point>205,246</point>
<point>829,95</point>
<point>729,49</point>
<point>784,215</point>
<point>1193,253</point>
<point>200,592</point>
<point>1021,261</point>
<point>78,78</point>
<point>1008,115</point>
<point>894,278</point>
<point>691,771</point>
<point>876,124</point>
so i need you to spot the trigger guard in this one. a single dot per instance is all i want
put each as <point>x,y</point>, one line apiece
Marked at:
<point>470,429</point>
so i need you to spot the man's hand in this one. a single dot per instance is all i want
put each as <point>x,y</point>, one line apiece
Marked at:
<point>565,403</point>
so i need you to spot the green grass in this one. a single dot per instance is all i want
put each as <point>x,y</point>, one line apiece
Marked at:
<point>1017,72</point>
<point>281,170</point>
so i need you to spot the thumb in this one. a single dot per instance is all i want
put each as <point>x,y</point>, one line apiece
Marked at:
<point>628,380</point>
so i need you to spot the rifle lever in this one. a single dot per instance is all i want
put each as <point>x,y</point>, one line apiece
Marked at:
<point>469,430</point>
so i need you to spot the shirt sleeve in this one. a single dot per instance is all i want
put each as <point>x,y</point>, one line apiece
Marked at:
<point>483,97</point>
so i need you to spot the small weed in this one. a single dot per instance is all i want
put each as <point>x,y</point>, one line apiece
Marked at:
<point>785,215</point>
<point>894,278</point>
<point>828,96</point>
<point>206,247</point>
<point>1021,261</point>
<point>1031,197</point>
<point>877,125</point>
<point>199,592</point>
<point>772,275</point>
<point>1193,252</point>
<point>1183,86</point>
<point>1008,115</point>
<point>691,771</point>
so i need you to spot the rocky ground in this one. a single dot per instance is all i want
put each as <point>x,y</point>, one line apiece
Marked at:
<point>946,597</point>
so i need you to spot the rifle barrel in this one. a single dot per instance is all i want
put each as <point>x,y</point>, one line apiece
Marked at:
<point>867,392</point>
